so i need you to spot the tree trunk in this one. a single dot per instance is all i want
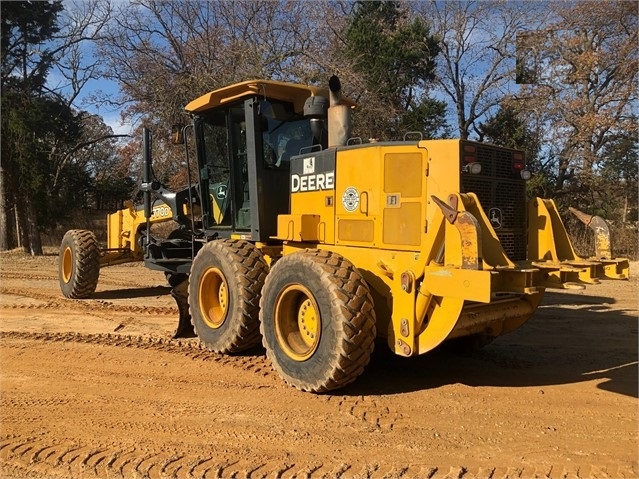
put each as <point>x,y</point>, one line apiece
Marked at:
<point>21,236</point>
<point>4,223</point>
<point>32,231</point>
<point>18,228</point>
<point>624,214</point>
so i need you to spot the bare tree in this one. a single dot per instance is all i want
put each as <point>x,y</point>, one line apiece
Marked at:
<point>164,54</point>
<point>76,62</point>
<point>583,97</point>
<point>477,62</point>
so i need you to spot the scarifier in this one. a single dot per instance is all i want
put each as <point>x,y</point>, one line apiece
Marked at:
<point>314,244</point>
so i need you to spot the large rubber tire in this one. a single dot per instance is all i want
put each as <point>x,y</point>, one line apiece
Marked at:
<point>79,264</point>
<point>317,320</point>
<point>225,286</point>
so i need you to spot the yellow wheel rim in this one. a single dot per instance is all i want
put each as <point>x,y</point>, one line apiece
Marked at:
<point>213,297</point>
<point>67,264</point>
<point>298,324</point>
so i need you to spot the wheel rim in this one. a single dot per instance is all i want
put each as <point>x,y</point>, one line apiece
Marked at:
<point>67,264</point>
<point>213,297</point>
<point>298,323</point>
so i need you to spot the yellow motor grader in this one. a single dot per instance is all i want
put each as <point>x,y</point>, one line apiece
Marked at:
<point>314,244</point>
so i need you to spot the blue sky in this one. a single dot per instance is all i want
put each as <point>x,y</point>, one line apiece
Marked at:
<point>81,14</point>
<point>110,114</point>
<point>100,87</point>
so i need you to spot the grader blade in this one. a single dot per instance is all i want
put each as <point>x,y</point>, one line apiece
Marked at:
<point>184,328</point>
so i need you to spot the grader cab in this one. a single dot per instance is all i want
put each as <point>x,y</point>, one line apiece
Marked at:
<point>314,244</point>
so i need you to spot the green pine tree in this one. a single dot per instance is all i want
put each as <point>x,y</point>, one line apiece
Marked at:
<point>33,121</point>
<point>395,59</point>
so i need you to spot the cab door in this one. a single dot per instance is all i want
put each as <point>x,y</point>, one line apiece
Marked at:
<point>222,160</point>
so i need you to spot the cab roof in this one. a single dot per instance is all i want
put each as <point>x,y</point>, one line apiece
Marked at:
<point>292,92</point>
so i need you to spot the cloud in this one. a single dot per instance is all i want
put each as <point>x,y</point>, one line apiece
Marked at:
<point>117,125</point>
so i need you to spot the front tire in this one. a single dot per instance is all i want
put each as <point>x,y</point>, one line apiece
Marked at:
<point>317,320</point>
<point>79,264</point>
<point>225,287</point>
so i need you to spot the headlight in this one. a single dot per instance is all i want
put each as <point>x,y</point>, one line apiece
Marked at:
<point>473,168</point>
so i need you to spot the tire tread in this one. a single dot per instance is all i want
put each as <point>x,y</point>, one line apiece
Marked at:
<point>86,263</point>
<point>350,294</point>
<point>250,270</point>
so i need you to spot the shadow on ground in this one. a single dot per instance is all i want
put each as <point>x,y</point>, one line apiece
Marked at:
<point>131,293</point>
<point>581,340</point>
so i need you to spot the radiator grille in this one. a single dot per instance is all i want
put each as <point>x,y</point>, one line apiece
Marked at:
<point>502,194</point>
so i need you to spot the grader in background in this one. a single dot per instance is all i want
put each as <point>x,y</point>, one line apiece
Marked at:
<point>312,243</point>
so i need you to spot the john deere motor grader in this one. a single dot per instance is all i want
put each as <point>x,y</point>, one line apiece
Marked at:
<point>314,244</point>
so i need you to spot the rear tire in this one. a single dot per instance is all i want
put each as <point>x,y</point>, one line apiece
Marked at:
<point>225,287</point>
<point>79,264</point>
<point>317,320</point>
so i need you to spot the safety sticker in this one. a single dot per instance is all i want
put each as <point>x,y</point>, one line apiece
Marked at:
<point>350,199</point>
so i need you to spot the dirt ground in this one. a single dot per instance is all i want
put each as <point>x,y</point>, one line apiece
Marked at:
<point>98,389</point>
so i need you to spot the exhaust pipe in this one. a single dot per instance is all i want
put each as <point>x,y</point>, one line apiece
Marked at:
<point>335,90</point>
<point>339,116</point>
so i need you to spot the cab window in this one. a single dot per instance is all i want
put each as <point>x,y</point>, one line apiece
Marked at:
<point>284,133</point>
<point>225,166</point>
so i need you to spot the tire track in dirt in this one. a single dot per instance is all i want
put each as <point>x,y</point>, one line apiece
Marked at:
<point>375,415</point>
<point>63,455</point>
<point>37,276</point>
<point>30,276</point>
<point>190,348</point>
<point>89,305</point>
<point>43,457</point>
<point>35,457</point>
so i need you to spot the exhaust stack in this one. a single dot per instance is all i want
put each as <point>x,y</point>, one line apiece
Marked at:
<point>339,116</point>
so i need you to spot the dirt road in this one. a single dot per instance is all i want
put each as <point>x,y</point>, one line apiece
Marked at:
<point>97,389</point>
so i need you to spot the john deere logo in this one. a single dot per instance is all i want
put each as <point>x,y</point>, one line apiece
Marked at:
<point>309,166</point>
<point>220,194</point>
<point>495,217</point>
